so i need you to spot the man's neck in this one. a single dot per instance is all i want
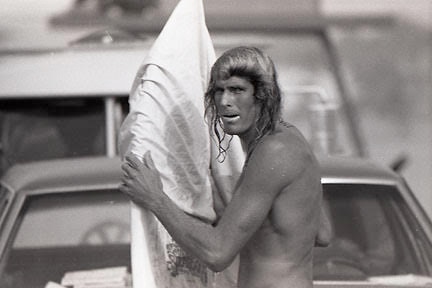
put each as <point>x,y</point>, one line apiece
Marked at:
<point>248,139</point>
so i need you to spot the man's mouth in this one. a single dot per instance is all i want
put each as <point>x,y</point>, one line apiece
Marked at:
<point>231,117</point>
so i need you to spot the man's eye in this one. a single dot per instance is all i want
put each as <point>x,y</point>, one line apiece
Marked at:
<point>236,90</point>
<point>218,91</point>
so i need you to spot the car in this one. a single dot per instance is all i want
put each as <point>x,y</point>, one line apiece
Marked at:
<point>66,215</point>
<point>73,98</point>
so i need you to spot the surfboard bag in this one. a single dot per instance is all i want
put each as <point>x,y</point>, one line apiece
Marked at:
<point>167,117</point>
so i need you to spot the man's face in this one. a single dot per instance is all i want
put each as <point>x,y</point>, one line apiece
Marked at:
<point>235,104</point>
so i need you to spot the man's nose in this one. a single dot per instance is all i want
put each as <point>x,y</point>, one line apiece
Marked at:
<point>225,99</point>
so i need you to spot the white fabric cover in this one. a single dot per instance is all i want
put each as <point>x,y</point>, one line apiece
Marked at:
<point>167,117</point>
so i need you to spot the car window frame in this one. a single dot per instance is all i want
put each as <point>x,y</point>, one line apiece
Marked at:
<point>405,215</point>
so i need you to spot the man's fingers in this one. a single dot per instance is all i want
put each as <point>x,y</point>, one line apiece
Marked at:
<point>124,188</point>
<point>132,162</point>
<point>148,161</point>
<point>127,170</point>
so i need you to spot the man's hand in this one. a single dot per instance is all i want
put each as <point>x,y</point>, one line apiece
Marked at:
<point>142,181</point>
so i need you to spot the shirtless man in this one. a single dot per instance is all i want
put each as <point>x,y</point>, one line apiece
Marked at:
<point>273,218</point>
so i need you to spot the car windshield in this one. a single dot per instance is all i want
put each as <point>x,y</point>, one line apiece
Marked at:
<point>375,234</point>
<point>60,233</point>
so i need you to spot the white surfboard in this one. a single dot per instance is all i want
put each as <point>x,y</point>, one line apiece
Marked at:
<point>167,117</point>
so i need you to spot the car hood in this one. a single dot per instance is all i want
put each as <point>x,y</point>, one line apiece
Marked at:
<point>365,285</point>
<point>390,281</point>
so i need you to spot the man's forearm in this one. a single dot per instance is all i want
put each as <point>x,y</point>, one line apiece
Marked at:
<point>142,183</point>
<point>196,237</point>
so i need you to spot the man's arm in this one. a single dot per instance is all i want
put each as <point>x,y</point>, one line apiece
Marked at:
<point>325,231</point>
<point>218,202</point>
<point>265,176</point>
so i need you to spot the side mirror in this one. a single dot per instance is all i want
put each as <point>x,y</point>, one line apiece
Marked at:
<point>399,163</point>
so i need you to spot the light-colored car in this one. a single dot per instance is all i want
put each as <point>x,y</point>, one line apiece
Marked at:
<point>65,215</point>
<point>72,99</point>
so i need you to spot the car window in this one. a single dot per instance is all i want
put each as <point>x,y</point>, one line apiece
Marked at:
<point>60,233</point>
<point>41,129</point>
<point>371,235</point>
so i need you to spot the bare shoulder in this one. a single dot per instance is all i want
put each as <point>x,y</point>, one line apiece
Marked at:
<point>286,144</point>
<point>286,151</point>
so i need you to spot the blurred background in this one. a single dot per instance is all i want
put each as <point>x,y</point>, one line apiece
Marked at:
<point>388,71</point>
<point>392,72</point>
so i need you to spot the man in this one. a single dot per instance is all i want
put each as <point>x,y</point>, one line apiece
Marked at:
<point>273,218</point>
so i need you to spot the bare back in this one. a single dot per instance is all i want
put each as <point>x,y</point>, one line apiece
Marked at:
<point>279,253</point>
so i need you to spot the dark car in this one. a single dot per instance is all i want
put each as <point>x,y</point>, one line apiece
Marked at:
<point>59,216</point>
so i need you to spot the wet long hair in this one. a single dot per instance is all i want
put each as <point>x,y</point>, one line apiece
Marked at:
<point>258,68</point>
